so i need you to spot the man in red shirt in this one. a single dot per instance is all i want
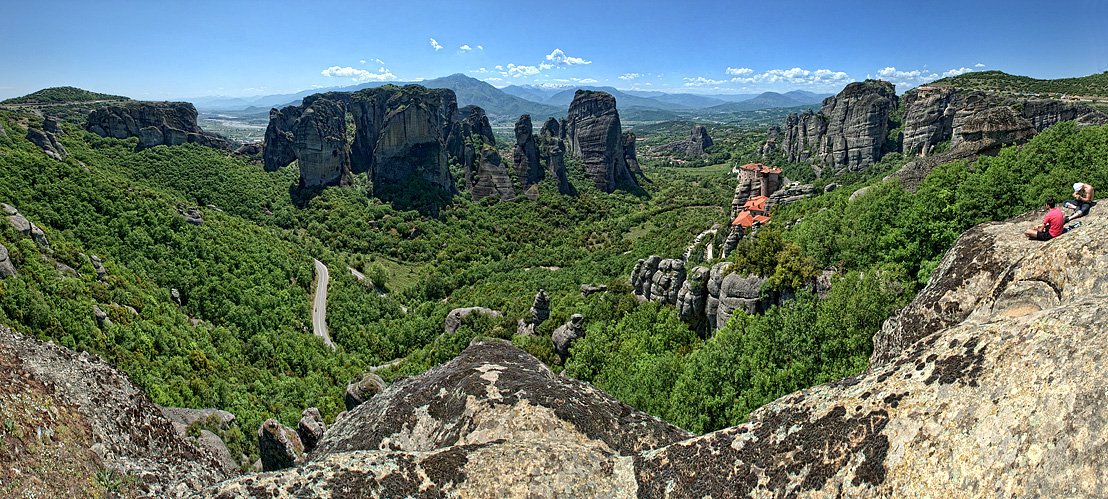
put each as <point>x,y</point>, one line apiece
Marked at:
<point>1051,226</point>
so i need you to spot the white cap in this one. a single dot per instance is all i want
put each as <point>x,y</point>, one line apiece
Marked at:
<point>1078,186</point>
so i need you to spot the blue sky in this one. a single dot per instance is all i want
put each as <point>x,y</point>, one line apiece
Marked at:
<point>165,50</point>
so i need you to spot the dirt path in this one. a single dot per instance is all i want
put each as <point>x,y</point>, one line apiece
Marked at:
<point>319,305</point>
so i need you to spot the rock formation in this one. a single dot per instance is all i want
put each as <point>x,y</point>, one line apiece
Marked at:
<point>359,391</point>
<point>154,123</point>
<point>476,134</point>
<point>492,177</point>
<point>95,420</point>
<point>566,334</point>
<point>397,132</point>
<point>525,154</point>
<point>454,319</point>
<point>7,269</point>
<point>493,422</point>
<point>540,312</point>
<point>48,142</point>
<point>98,266</point>
<point>310,428</point>
<point>553,152</point>
<point>692,298</point>
<point>848,132</point>
<point>594,136</point>
<point>24,226</point>
<point>985,133</point>
<point>1003,399</point>
<point>632,159</point>
<point>693,147</point>
<point>279,446</point>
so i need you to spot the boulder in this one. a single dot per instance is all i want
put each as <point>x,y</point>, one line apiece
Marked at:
<point>100,316</point>
<point>279,446</point>
<point>17,220</point>
<point>191,213</point>
<point>359,391</point>
<point>48,143</point>
<point>566,334</point>
<point>185,416</point>
<point>455,317</point>
<point>493,422</point>
<point>215,445</point>
<point>540,312</point>
<point>98,266</point>
<point>311,428</point>
<point>7,269</point>
<point>154,123</point>
<point>588,289</point>
<point>175,295</point>
<point>594,136</point>
<point>737,292</point>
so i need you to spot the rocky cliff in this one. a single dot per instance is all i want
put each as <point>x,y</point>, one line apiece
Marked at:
<point>396,132</point>
<point>154,123</point>
<point>72,422</point>
<point>694,146</point>
<point>594,136</point>
<point>1004,397</point>
<point>848,132</point>
<point>525,154</point>
<point>553,152</point>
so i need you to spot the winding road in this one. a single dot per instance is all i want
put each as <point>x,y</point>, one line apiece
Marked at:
<point>319,306</point>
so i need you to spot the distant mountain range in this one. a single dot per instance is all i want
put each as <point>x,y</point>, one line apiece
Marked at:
<point>508,103</point>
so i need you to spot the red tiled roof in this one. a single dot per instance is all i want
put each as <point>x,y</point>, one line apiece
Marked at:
<point>758,167</point>
<point>756,204</point>
<point>744,219</point>
<point>761,219</point>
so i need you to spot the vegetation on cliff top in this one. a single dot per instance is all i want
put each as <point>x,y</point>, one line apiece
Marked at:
<point>58,95</point>
<point>1086,86</point>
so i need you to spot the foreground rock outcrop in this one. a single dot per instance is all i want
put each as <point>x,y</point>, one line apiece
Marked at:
<point>89,419</point>
<point>594,135</point>
<point>154,123</point>
<point>1005,397</point>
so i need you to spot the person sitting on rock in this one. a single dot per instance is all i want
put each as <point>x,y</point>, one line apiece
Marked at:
<point>1051,226</point>
<point>1081,202</point>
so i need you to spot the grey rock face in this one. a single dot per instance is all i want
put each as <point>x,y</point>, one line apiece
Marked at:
<point>191,214</point>
<point>476,123</point>
<point>983,134</point>
<point>492,177</point>
<point>455,317</point>
<point>311,428</point>
<point>594,136</point>
<point>123,425</point>
<point>359,391</point>
<point>692,299</point>
<point>566,334</point>
<point>97,265</point>
<point>694,146</point>
<point>553,151</point>
<point>24,226</point>
<point>278,150</point>
<point>279,446</point>
<point>848,132</point>
<point>319,143</point>
<point>588,289</point>
<point>7,269</point>
<point>48,143</point>
<point>525,154</point>
<point>173,122</point>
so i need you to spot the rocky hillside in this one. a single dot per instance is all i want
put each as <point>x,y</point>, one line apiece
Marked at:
<point>1001,395</point>
<point>856,128</point>
<point>75,426</point>
<point>154,123</point>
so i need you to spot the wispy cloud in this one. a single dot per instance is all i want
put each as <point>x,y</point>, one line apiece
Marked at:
<point>794,76</point>
<point>362,61</point>
<point>358,74</point>
<point>436,45</point>
<point>979,65</point>
<point>701,81</point>
<point>560,58</point>
<point>584,80</point>
<point>518,71</point>
<point>630,76</point>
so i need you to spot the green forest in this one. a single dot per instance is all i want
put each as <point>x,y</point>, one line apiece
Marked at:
<point>240,339</point>
<point>1087,86</point>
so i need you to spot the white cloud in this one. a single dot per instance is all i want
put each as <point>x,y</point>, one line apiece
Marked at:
<point>357,74</point>
<point>436,45</point>
<point>979,65</point>
<point>956,72</point>
<point>466,47</point>
<point>700,81</point>
<point>480,47</point>
<point>630,76</point>
<point>499,67</point>
<point>518,71</point>
<point>794,76</point>
<point>561,59</point>
<point>544,66</point>
<point>362,61</point>
<point>585,80</point>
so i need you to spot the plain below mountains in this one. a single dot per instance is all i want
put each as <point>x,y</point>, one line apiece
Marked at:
<point>508,103</point>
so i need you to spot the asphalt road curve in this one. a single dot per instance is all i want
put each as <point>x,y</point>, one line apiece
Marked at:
<point>319,305</point>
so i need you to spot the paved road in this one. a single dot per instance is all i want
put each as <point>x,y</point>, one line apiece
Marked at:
<point>319,306</point>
